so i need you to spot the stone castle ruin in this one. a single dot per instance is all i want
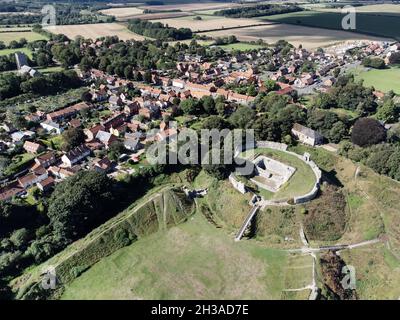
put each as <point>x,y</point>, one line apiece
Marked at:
<point>271,174</point>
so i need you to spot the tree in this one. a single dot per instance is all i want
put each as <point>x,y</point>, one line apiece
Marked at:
<point>189,106</point>
<point>42,59</point>
<point>20,237</point>
<point>251,90</point>
<point>323,101</point>
<point>128,72</point>
<point>267,129</point>
<point>375,62</point>
<point>86,63</point>
<point>242,117</point>
<point>72,137</point>
<point>388,112</point>
<point>115,150</point>
<point>215,122</point>
<point>367,131</point>
<point>87,97</point>
<point>337,132</point>
<point>220,108</point>
<point>393,164</point>
<point>79,203</point>
<point>208,104</point>
<point>147,77</point>
<point>270,85</point>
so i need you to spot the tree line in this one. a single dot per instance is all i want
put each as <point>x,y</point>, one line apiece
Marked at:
<point>258,10</point>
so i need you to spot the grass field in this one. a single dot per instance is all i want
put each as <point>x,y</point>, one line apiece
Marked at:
<point>377,272</point>
<point>14,28</point>
<point>30,36</point>
<point>228,207</point>
<point>50,70</point>
<point>384,26</point>
<point>382,80</point>
<point>241,46</point>
<point>6,52</point>
<point>310,38</point>
<point>94,31</point>
<point>191,261</point>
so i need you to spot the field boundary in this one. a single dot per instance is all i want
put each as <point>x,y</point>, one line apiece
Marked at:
<point>239,27</point>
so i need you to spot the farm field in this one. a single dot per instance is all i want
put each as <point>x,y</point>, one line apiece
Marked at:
<point>384,9</point>
<point>122,12</point>
<point>193,6</point>
<point>94,31</point>
<point>310,38</point>
<point>30,36</point>
<point>209,23</point>
<point>6,52</point>
<point>382,80</point>
<point>194,260</point>
<point>385,26</point>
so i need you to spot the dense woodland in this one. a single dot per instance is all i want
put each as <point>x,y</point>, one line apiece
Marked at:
<point>258,10</point>
<point>157,30</point>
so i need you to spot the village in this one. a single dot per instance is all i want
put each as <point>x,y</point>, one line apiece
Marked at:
<point>115,141</point>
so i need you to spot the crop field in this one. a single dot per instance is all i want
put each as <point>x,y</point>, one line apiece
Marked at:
<point>384,26</point>
<point>310,38</point>
<point>94,31</point>
<point>30,36</point>
<point>193,6</point>
<point>209,23</point>
<point>382,80</point>
<point>194,260</point>
<point>122,12</point>
<point>163,15</point>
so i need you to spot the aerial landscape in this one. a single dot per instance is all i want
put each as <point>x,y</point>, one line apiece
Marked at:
<point>199,150</point>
